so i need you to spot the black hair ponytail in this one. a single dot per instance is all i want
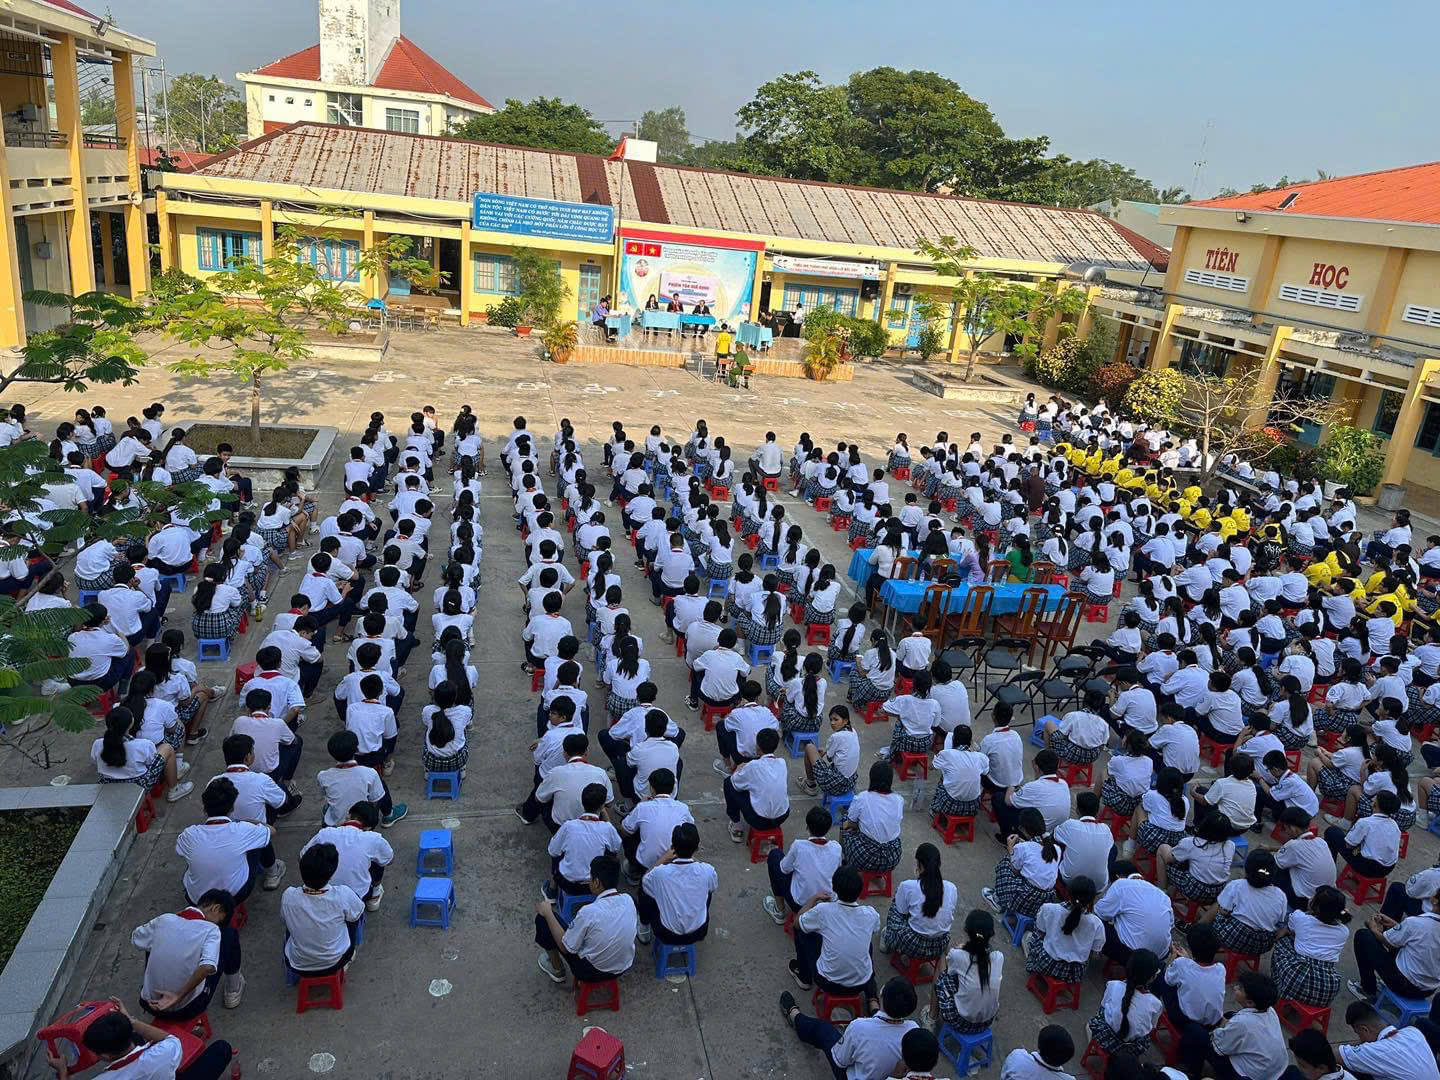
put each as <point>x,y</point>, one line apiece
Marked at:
<point>927,859</point>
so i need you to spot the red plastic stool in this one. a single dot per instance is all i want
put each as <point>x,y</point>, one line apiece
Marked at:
<point>1404,844</point>
<point>1166,1038</point>
<point>598,1056</point>
<point>822,503</point>
<point>1144,861</point>
<point>537,680</point>
<point>1296,1016</point>
<point>1077,772</point>
<point>825,1003</point>
<point>1095,1060</point>
<point>1185,909</point>
<point>243,674</point>
<point>753,540</point>
<point>199,1026</point>
<point>839,522</point>
<point>596,995</point>
<point>680,646</point>
<point>901,472</point>
<point>817,633</point>
<point>903,685</point>
<point>913,967</point>
<point>710,713</point>
<point>1211,752</point>
<point>1109,816</point>
<point>954,828</point>
<point>1292,759</point>
<point>770,483</point>
<point>719,492</point>
<point>858,543</point>
<point>239,917</point>
<point>1363,890</point>
<point>1235,962</point>
<point>875,883</point>
<point>987,803</point>
<point>906,762</point>
<point>333,985</point>
<point>1329,740</point>
<point>758,838</point>
<point>1053,993</point>
<point>871,711</point>
<point>1097,613</point>
<point>145,814</point>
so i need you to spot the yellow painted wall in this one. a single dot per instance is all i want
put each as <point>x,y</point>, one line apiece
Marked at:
<point>1247,245</point>
<point>570,263</point>
<point>1298,257</point>
<point>1420,284</point>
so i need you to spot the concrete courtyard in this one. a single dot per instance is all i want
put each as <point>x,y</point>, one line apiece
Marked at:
<point>427,1003</point>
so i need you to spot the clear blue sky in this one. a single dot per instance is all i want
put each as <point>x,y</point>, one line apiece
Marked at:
<point>1289,87</point>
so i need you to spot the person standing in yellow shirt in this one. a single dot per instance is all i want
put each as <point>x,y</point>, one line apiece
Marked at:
<point>724,347</point>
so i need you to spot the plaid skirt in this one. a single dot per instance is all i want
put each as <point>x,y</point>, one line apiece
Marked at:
<point>947,985</point>
<point>757,633</point>
<point>1068,751</point>
<point>1242,938</point>
<point>618,706</point>
<point>1420,712</point>
<point>857,529</point>
<point>1150,836</point>
<point>1117,800</point>
<point>818,618</point>
<point>451,763</point>
<point>831,781</point>
<point>1186,883</point>
<point>184,476</point>
<point>785,577</point>
<point>187,710</point>
<point>1336,720</point>
<point>1043,432</point>
<point>794,474</point>
<point>96,584</point>
<point>1404,817</point>
<point>834,652</point>
<point>153,774</point>
<point>792,719</point>
<point>895,461</point>
<point>1332,783</point>
<point>942,802</point>
<point>900,938</point>
<point>863,852</point>
<point>1040,962</point>
<point>1432,804</point>
<point>863,691</point>
<point>772,681</point>
<point>103,444</point>
<point>749,527</point>
<point>718,571</point>
<point>1105,1037</point>
<point>217,624</point>
<point>902,742</point>
<point>1290,738</point>
<point>1015,894</point>
<point>1303,978</point>
<point>277,539</point>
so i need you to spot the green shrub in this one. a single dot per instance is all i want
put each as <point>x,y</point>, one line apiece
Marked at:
<point>1067,365</point>
<point>1353,458</point>
<point>507,313</point>
<point>867,337</point>
<point>1155,396</point>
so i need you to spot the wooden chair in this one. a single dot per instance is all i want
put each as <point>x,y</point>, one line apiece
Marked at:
<point>1040,572</point>
<point>907,568</point>
<point>998,572</point>
<point>930,619</point>
<point>1061,627</point>
<point>939,568</point>
<point>1025,623</point>
<point>973,618</point>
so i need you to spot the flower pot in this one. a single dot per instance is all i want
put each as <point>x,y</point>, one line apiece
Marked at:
<point>522,331</point>
<point>560,356</point>
<point>481,317</point>
<point>815,374</point>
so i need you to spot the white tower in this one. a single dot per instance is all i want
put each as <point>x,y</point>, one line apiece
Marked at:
<point>355,38</point>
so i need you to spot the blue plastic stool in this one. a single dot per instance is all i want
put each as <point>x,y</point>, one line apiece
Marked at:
<point>1037,732</point>
<point>960,1049</point>
<point>175,581</point>
<point>761,654</point>
<point>838,805</point>
<point>719,588</point>
<point>433,892</point>
<point>1434,826</point>
<point>1018,926</point>
<point>1242,849</point>
<point>797,739</point>
<point>442,785</point>
<point>841,669</point>
<point>435,842</point>
<point>665,953</point>
<point>360,932</point>
<point>571,903</point>
<point>769,562</point>
<point>88,598</point>
<point>220,647</point>
<point>1405,1010</point>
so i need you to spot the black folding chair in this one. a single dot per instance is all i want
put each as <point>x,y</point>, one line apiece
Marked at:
<point>963,656</point>
<point>1015,692</point>
<point>1005,654</point>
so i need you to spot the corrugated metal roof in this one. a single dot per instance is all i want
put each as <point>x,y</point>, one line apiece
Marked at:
<point>394,163</point>
<point>1411,193</point>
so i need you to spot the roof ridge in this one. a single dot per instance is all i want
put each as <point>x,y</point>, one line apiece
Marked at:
<point>1318,183</point>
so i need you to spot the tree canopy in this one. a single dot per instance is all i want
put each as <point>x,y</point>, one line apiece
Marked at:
<point>204,112</point>
<point>666,128</point>
<point>545,123</point>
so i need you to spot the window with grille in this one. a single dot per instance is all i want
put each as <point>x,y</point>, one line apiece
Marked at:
<point>218,249</point>
<point>1326,298</point>
<point>403,120</point>
<point>495,274</point>
<point>1387,412</point>
<point>1421,315</point>
<point>1428,437</point>
<point>1212,280</point>
<point>334,260</point>
<point>346,109</point>
<point>845,301</point>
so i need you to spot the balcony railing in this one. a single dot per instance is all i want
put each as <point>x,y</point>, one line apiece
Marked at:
<point>105,142</point>
<point>38,140</point>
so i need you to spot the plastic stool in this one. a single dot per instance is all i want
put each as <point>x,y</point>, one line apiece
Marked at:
<point>1235,962</point>
<point>434,892</point>
<point>442,785</point>
<point>1212,753</point>
<point>537,680</point>
<point>758,838</point>
<point>901,473</point>
<point>1363,890</point>
<point>597,1056</point>
<point>596,995</point>
<point>1037,730</point>
<point>1017,926</point>
<point>825,1002</point>
<point>1101,1058</point>
<point>1166,1037</point>
<point>841,669</point>
<point>175,581</point>
<point>243,674</point>
<point>331,987</point>
<point>710,713</point>
<point>871,711</point>
<point>954,828</point>
<point>145,814</point>
<point>761,654</point>
<point>435,842</point>
<point>1075,772</point>
<point>1434,825</point>
<point>817,633</point>
<point>664,954</point>
<point>1052,993</point>
<point>1242,851</point>
<point>198,1026</point>
<point>219,646</point>
<point>1295,1016</point>
<point>913,967</point>
<point>719,587</point>
<point>903,685</point>
<point>967,1051</point>
<point>796,741</point>
<point>905,762</point>
<point>1405,1010</point>
<point>1109,816</point>
<point>770,483</point>
<point>769,562</point>
<point>838,805</point>
<point>1404,844</point>
<point>823,502</point>
<point>876,883</point>
<point>87,598</point>
<point>1097,613</point>
<point>1187,910</point>
<point>570,903</point>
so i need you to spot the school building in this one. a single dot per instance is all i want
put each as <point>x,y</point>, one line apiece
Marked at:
<point>747,243</point>
<point>1332,288</point>
<point>70,200</point>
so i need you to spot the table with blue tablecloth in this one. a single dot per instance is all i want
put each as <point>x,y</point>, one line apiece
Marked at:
<point>755,335</point>
<point>906,596</point>
<point>620,324</point>
<point>659,320</point>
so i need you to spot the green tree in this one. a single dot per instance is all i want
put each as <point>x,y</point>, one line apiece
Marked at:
<point>1085,183</point>
<point>542,287</point>
<point>1174,195</point>
<point>97,108</point>
<point>796,126</point>
<point>736,155</point>
<point>666,128</point>
<point>94,345</point>
<point>546,123</point>
<point>203,111</point>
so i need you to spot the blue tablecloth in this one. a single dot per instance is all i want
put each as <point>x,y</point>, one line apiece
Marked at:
<point>697,320</point>
<point>906,596</point>
<point>659,320</point>
<point>755,335</point>
<point>620,324</point>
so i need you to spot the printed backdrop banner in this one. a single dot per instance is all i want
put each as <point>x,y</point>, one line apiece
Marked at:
<point>723,277</point>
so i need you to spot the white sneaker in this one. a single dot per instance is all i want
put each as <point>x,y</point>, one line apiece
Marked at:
<point>271,881</point>
<point>179,791</point>
<point>549,969</point>
<point>737,834</point>
<point>373,904</point>
<point>181,767</point>
<point>1333,820</point>
<point>234,990</point>
<point>644,934</point>
<point>926,1020</point>
<point>989,896</point>
<point>773,910</point>
<point>217,692</point>
<point>719,766</point>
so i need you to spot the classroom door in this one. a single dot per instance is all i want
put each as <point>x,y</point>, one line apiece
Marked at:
<point>912,332</point>
<point>589,294</point>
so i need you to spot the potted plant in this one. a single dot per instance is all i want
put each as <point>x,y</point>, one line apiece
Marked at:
<point>560,339</point>
<point>542,289</point>
<point>824,349</point>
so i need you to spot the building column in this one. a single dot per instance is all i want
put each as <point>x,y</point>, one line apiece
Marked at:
<point>162,220</point>
<point>267,230</point>
<point>371,286</point>
<point>12,309</point>
<point>1269,368</point>
<point>1383,300</point>
<point>137,241</point>
<point>1086,322</point>
<point>1163,354</point>
<point>107,249</point>
<point>757,285</point>
<point>67,111</point>
<point>1263,278</point>
<point>1175,274</point>
<point>467,275</point>
<point>1412,410</point>
<point>887,294</point>
<point>1122,342</point>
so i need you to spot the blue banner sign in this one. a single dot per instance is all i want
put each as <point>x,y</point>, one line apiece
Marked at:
<point>544,217</point>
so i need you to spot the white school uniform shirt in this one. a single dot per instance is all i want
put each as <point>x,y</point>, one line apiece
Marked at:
<point>1401,1053</point>
<point>269,733</point>
<point>767,780</point>
<point>960,772</point>
<point>293,648</point>
<point>581,840</point>
<point>344,785</point>
<point>647,756</point>
<point>846,930</point>
<point>372,722</point>
<point>1310,861</point>
<point>1318,940</point>
<point>1048,794</point>
<point>1141,914</point>
<point>913,651</point>
<point>254,791</point>
<point>603,932</point>
<point>1028,860</point>
<point>910,902</point>
<point>1085,729</point>
<point>917,715</point>
<point>1260,909</point>
<point>1077,948</point>
<point>722,671</point>
<point>878,815</point>
<point>978,1004</point>
<point>1136,706</point>
<point>543,633</point>
<point>177,944</point>
<point>215,854</point>
<point>1292,790</point>
<point>1378,838</point>
<point>565,783</point>
<point>1254,1043</point>
<point>549,752</point>
<point>157,1061</point>
<point>681,890</point>
<point>1157,810</point>
<point>1209,862</point>
<point>1006,751</point>
<point>1144,1012</point>
<point>318,924</point>
<point>812,862</point>
<point>359,849</point>
<point>954,701</point>
<point>1200,988</point>
<point>654,820</point>
<point>1087,846</point>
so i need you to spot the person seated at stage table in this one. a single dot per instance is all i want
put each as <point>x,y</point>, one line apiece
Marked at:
<point>701,308</point>
<point>675,305</point>
<point>652,304</point>
<point>599,312</point>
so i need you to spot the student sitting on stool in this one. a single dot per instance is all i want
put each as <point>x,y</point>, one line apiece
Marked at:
<point>803,873</point>
<point>599,944</point>
<point>113,1038</point>
<point>321,918</point>
<point>832,940</point>
<point>647,829</point>
<point>224,854</point>
<point>675,894</point>
<point>364,853</point>
<point>186,956</point>
<point>758,790</point>
<point>870,1045</point>
<point>579,842</point>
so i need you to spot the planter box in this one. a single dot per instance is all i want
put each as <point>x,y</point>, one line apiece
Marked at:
<point>981,388</point>
<point>33,986</point>
<point>617,354</point>
<point>362,346</point>
<point>266,473</point>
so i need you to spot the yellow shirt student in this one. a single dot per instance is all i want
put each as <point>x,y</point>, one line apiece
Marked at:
<point>1374,608</point>
<point>1228,528</point>
<point>1124,476</point>
<point>1092,462</point>
<point>1110,466</point>
<point>1318,573</point>
<point>1376,581</point>
<point>1192,493</point>
<point>722,343</point>
<point>1241,517</point>
<point>1154,490</point>
<point>1202,518</point>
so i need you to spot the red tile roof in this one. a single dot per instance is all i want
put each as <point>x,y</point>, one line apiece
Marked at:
<point>407,67</point>
<point>74,9</point>
<point>1410,193</point>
